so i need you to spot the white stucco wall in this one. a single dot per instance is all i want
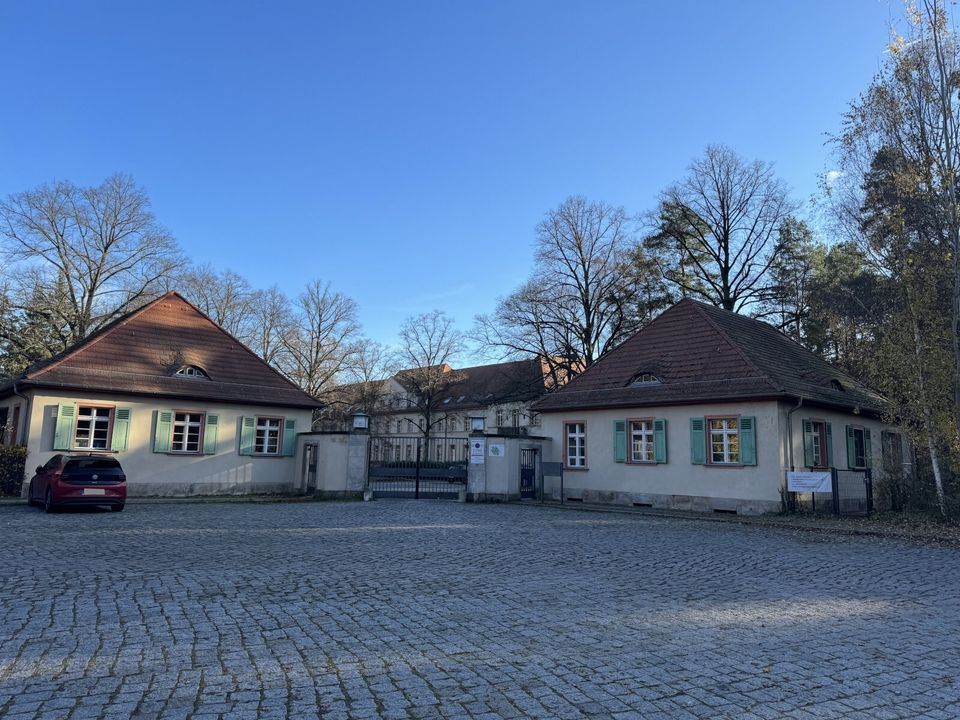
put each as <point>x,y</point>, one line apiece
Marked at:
<point>680,484</point>
<point>160,474</point>
<point>676,483</point>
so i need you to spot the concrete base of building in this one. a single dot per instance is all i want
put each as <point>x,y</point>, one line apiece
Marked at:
<point>339,495</point>
<point>182,490</point>
<point>492,497</point>
<point>691,503</point>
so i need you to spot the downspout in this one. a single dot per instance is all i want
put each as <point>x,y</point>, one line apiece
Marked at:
<point>788,505</point>
<point>25,420</point>
<point>790,432</point>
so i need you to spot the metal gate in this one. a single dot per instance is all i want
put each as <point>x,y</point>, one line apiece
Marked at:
<point>852,492</point>
<point>528,472</point>
<point>416,467</point>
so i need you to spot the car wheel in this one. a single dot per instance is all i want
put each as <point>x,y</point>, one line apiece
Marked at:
<point>116,508</point>
<point>48,505</point>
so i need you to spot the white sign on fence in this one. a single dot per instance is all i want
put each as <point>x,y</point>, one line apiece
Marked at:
<point>809,482</point>
<point>477,448</point>
<point>498,449</point>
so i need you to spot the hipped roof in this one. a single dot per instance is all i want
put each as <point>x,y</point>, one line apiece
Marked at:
<point>703,354</point>
<point>140,353</point>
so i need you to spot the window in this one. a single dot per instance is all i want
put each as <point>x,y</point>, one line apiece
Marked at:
<point>192,372</point>
<point>515,417</point>
<point>187,432</point>
<point>267,438</point>
<point>644,378</point>
<point>836,385</point>
<point>453,423</point>
<point>818,437</point>
<point>501,418</point>
<point>93,427</point>
<point>724,441</point>
<point>641,441</point>
<point>4,414</point>
<point>576,439</point>
<point>892,449</point>
<point>858,447</point>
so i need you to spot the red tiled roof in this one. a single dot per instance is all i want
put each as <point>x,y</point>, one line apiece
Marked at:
<point>141,352</point>
<point>701,353</point>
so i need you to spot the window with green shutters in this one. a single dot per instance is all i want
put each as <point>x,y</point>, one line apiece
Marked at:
<point>817,444</point>
<point>725,440</point>
<point>645,440</point>
<point>859,448</point>
<point>91,427</point>
<point>268,436</point>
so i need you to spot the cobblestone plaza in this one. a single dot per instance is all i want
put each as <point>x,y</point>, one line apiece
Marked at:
<point>405,609</point>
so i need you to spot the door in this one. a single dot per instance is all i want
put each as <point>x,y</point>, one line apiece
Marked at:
<point>528,473</point>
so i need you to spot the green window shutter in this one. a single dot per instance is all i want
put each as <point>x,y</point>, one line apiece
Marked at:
<point>161,435</point>
<point>211,426</point>
<point>289,437</point>
<point>867,448</point>
<point>698,441</point>
<point>63,435</point>
<point>851,448</point>
<point>248,427</point>
<point>660,441</point>
<point>807,444</point>
<point>748,441</point>
<point>619,441</point>
<point>829,445</point>
<point>121,429</point>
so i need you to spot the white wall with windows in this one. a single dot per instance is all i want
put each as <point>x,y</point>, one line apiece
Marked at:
<point>723,456</point>
<point>172,447</point>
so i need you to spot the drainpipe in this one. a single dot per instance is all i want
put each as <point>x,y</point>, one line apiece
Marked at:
<point>790,432</point>
<point>790,449</point>
<point>24,419</point>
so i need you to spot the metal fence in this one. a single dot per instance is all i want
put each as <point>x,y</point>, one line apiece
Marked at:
<point>852,492</point>
<point>417,467</point>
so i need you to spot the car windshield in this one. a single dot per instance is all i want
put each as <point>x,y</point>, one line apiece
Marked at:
<point>92,464</point>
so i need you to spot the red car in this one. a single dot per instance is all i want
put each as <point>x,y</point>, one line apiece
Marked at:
<point>79,480</point>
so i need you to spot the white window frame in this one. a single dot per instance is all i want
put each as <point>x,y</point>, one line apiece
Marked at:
<point>186,424</point>
<point>818,441</point>
<point>641,431</point>
<point>863,446</point>
<point>261,446</point>
<point>725,433</point>
<point>96,420</point>
<point>575,456</point>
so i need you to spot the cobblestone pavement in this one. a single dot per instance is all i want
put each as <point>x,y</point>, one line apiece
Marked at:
<point>426,610</point>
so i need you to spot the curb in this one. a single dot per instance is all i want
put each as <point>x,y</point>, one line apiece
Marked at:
<point>746,520</point>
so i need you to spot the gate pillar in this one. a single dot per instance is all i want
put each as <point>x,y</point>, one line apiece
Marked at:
<point>358,460</point>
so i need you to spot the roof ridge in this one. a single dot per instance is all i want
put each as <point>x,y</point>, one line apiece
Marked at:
<point>702,310</point>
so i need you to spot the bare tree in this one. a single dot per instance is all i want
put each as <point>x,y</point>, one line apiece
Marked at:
<point>99,250</point>
<point>225,297</point>
<point>268,324</point>
<point>321,343</point>
<point>428,344</point>
<point>582,297</point>
<point>721,225</point>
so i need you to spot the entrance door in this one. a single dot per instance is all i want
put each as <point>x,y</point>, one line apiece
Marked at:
<point>528,473</point>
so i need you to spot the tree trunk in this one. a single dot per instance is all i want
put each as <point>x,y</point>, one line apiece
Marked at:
<point>927,418</point>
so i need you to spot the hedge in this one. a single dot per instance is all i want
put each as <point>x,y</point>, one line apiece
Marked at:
<point>13,463</point>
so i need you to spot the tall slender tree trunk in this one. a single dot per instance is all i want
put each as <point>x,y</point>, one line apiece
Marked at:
<point>927,415</point>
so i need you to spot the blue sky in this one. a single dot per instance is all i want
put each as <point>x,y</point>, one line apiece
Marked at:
<point>405,151</point>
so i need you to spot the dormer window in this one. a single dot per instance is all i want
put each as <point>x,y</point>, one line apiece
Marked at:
<point>192,372</point>
<point>644,378</point>
<point>835,384</point>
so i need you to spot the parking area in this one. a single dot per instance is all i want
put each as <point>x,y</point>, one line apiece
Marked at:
<point>406,609</point>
